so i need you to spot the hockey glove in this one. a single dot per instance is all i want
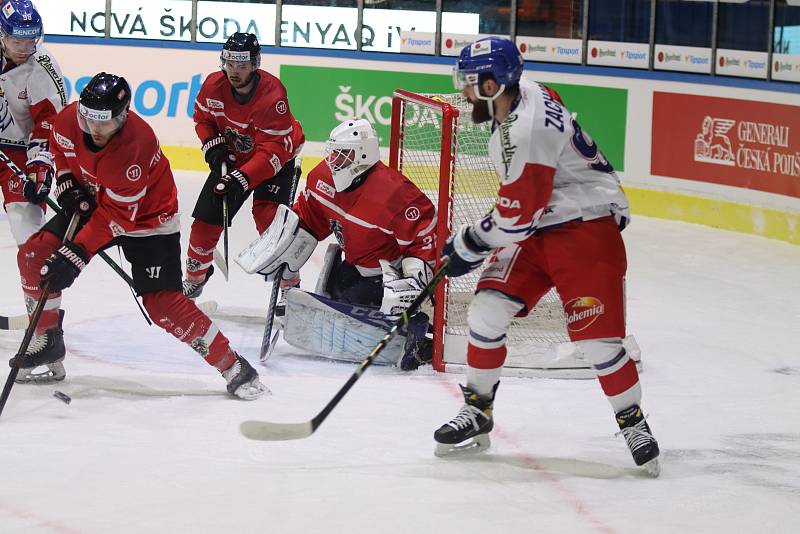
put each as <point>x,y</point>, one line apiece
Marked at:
<point>216,152</point>
<point>39,179</point>
<point>234,184</point>
<point>73,197</point>
<point>63,266</point>
<point>466,251</point>
<point>398,293</point>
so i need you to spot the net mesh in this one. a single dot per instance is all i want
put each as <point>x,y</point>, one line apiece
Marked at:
<point>474,190</point>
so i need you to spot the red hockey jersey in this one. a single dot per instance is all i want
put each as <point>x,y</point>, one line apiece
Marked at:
<point>130,177</point>
<point>262,133</point>
<point>386,217</point>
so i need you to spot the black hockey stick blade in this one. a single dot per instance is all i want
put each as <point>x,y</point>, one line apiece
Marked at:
<point>268,431</point>
<point>266,339</point>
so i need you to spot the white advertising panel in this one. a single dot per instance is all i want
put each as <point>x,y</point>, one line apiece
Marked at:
<point>786,67</point>
<point>550,49</point>
<point>216,21</point>
<point>86,18</point>
<point>452,43</point>
<point>682,58</point>
<point>169,20</point>
<point>741,63</point>
<point>612,54</point>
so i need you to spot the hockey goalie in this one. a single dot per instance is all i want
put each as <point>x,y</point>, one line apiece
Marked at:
<point>384,228</point>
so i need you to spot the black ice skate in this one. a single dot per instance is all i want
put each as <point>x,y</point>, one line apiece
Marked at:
<point>45,351</point>
<point>473,422</point>
<point>195,289</point>
<point>640,440</point>
<point>243,381</point>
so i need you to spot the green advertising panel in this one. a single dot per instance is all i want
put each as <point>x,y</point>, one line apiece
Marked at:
<point>322,97</point>
<point>602,113</point>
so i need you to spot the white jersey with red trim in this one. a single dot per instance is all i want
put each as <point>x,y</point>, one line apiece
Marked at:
<point>31,95</point>
<point>550,171</point>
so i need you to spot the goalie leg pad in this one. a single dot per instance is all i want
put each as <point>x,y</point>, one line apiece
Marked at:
<point>338,330</point>
<point>333,257</point>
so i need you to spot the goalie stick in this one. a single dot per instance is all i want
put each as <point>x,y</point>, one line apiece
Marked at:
<point>267,431</point>
<point>268,340</point>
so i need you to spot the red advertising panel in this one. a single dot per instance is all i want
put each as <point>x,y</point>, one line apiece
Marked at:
<point>742,143</point>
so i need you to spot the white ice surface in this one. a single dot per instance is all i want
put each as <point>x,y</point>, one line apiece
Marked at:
<point>150,442</point>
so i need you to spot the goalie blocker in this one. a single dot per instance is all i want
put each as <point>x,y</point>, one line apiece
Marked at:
<point>344,326</point>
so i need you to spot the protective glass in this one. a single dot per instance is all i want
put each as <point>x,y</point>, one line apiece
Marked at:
<point>99,122</point>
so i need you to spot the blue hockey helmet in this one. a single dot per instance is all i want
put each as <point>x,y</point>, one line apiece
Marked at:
<point>491,56</point>
<point>20,19</point>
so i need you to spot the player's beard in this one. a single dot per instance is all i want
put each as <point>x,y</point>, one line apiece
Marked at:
<point>480,111</point>
<point>239,83</point>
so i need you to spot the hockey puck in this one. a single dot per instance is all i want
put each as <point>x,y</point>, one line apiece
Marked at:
<point>63,397</point>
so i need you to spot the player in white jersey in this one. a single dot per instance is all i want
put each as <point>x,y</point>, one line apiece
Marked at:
<point>31,94</point>
<point>556,223</point>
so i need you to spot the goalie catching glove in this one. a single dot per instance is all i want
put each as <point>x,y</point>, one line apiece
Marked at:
<point>285,242</point>
<point>401,289</point>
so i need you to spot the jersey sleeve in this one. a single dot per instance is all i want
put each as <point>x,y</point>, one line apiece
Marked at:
<point>414,224</point>
<point>309,209</point>
<point>46,97</point>
<point>120,199</point>
<point>205,125</point>
<point>531,154</point>
<point>273,129</point>
<point>60,145</point>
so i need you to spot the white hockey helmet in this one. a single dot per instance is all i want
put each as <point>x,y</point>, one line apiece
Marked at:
<point>351,150</point>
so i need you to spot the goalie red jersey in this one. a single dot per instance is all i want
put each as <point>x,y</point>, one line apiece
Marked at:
<point>130,178</point>
<point>262,133</point>
<point>385,217</point>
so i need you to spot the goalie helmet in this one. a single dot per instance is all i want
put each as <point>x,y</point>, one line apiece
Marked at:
<point>241,47</point>
<point>351,150</point>
<point>20,28</point>
<point>104,103</point>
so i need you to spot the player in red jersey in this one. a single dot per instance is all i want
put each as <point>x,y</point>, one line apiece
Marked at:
<point>110,170</point>
<point>383,223</point>
<point>250,140</point>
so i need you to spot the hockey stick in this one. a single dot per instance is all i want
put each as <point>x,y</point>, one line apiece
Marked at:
<point>19,359</point>
<point>56,208</point>
<point>267,431</point>
<point>14,322</point>
<point>225,213</point>
<point>268,340</point>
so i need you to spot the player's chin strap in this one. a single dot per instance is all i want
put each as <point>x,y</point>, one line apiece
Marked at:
<point>489,99</point>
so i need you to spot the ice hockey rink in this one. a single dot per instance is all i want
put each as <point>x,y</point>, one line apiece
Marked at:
<point>150,442</point>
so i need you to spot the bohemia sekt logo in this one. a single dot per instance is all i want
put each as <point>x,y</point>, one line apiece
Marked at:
<point>581,312</point>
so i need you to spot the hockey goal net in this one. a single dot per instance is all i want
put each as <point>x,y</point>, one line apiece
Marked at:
<point>435,143</point>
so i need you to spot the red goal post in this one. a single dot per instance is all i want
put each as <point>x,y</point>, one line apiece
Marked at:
<point>435,144</point>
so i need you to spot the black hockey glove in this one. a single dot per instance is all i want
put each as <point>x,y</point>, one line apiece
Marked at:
<point>234,184</point>
<point>39,178</point>
<point>217,152</point>
<point>73,197</point>
<point>63,266</point>
<point>465,250</point>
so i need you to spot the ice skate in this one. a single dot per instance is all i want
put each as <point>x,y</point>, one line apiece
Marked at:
<point>243,381</point>
<point>45,352</point>
<point>473,422</point>
<point>640,440</point>
<point>194,289</point>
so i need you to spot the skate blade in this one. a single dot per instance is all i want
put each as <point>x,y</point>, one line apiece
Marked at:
<point>653,467</point>
<point>477,444</point>
<point>51,373</point>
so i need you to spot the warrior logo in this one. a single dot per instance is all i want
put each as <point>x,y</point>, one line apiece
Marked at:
<point>242,143</point>
<point>336,228</point>
<point>712,145</point>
